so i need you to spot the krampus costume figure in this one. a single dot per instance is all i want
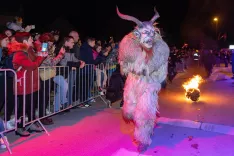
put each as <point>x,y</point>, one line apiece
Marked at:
<point>143,56</point>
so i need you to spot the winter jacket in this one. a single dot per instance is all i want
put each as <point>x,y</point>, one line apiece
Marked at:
<point>22,62</point>
<point>115,88</point>
<point>68,61</point>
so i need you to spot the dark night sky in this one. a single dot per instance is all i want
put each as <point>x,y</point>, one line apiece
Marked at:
<point>99,18</point>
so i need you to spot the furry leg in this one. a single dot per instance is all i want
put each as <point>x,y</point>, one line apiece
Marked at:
<point>129,99</point>
<point>145,115</point>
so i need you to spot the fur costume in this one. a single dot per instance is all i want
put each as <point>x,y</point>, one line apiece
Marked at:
<point>143,56</point>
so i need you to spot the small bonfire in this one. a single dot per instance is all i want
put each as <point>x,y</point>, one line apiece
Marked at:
<point>192,88</point>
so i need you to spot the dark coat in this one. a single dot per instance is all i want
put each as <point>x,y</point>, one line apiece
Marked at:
<point>115,88</point>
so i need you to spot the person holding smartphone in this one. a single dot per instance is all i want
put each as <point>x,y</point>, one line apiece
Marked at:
<point>47,44</point>
<point>27,84</point>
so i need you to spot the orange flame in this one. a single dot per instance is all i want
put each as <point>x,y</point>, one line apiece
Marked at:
<point>193,83</point>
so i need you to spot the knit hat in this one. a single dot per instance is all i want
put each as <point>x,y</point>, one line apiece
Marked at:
<point>21,36</point>
<point>46,37</point>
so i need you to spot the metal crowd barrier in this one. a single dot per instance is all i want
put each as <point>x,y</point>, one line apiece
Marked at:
<point>51,90</point>
<point>8,102</point>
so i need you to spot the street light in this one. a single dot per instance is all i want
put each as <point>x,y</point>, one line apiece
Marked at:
<point>216,25</point>
<point>215,19</point>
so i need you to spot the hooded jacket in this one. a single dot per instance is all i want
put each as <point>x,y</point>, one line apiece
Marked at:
<point>23,63</point>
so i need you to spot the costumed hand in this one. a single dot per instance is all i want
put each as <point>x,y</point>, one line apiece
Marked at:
<point>82,64</point>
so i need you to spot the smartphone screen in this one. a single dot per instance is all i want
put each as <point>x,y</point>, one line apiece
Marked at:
<point>44,47</point>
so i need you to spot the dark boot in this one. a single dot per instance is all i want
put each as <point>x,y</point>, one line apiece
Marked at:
<point>22,133</point>
<point>47,121</point>
<point>35,128</point>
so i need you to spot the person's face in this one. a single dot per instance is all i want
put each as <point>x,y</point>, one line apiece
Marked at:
<point>5,42</point>
<point>98,49</point>
<point>76,36</point>
<point>108,48</point>
<point>29,42</point>
<point>70,43</point>
<point>56,37</point>
<point>92,43</point>
<point>113,45</point>
<point>8,33</point>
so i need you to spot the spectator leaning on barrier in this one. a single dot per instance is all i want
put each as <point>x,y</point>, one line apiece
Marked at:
<point>62,75</point>
<point>86,74</point>
<point>46,85</point>
<point>73,63</point>
<point>76,48</point>
<point>22,62</point>
<point>100,62</point>
<point>10,103</point>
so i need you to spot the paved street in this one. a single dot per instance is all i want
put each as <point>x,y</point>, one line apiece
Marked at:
<point>93,132</point>
<point>100,131</point>
<point>215,105</point>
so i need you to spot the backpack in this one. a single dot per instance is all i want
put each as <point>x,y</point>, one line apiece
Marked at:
<point>6,63</point>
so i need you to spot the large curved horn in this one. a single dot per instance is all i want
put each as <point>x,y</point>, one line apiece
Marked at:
<point>156,16</point>
<point>129,18</point>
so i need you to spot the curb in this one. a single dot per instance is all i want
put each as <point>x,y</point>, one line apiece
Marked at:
<point>179,122</point>
<point>126,152</point>
<point>229,130</point>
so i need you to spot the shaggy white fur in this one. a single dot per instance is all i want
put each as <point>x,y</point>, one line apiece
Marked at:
<point>143,83</point>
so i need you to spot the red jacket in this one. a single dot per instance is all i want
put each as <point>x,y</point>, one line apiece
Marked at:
<point>22,62</point>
